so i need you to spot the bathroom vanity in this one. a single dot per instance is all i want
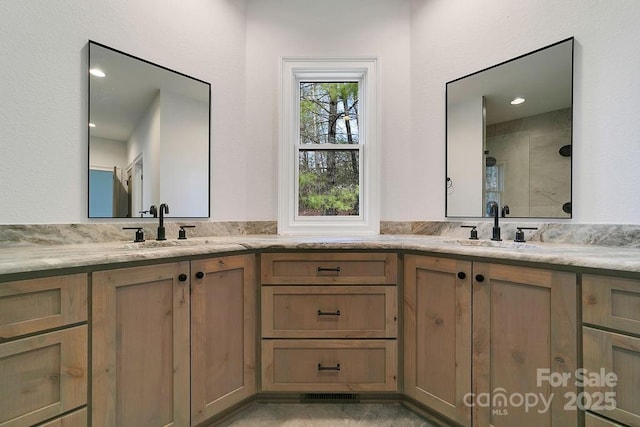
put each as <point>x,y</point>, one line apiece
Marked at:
<point>185,333</point>
<point>329,322</point>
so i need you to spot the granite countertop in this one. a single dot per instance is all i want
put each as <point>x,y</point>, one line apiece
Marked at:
<point>28,258</point>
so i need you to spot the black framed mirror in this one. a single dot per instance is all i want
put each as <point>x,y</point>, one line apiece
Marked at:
<point>149,137</point>
<point>509,136</point>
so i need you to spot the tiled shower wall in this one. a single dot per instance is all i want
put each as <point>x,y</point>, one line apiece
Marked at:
<point>536,178</point>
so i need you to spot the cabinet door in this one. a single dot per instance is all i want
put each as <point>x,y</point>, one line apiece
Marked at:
<point>437,310</point>
<point>524,325</point>
<point>608,353</point>
<point>223,322</point>
<point>140,346</point>
<point>43,376</point>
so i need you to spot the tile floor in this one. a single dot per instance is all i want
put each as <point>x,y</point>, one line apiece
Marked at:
<point>327,415</point>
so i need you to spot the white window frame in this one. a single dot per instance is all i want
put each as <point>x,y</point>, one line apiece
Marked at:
<point>364,71</point>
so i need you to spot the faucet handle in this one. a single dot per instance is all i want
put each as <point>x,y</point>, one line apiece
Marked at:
<point>182,233</point>
<point>520,234</point>
<point>153,210</point>
<point>139,233</point>
<point>473,235</point>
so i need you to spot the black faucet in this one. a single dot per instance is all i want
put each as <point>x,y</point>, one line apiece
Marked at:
<point>164,208</point>
<point>494,210</point>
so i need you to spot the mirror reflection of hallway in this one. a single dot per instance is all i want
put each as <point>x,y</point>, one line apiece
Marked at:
<point>108,196</point>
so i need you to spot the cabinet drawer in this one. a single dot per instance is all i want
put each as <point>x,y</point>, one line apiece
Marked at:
<point>608,352</point>
<point>329,365</point>
<point>612,302</point>
<point>329,268</point>
<point>43,376</point>
<point>74,419</point>
<point>329,312</point>
<point>28,306</point>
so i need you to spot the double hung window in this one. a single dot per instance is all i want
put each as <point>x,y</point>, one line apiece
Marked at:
<point>328,147</point>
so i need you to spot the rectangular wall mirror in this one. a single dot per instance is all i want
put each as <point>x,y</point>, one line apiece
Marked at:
<point>509,137</point>
<point>149,138</point>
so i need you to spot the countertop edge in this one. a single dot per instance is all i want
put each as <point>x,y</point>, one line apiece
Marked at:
<point>38,258</point>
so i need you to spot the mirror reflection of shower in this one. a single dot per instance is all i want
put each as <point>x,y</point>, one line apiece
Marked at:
<point>503,149</point>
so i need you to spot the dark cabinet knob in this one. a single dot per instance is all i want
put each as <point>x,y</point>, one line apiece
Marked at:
<point>183,277</point>
<point>461,275</point>
<point>199,275</point>
<point>479,278</point>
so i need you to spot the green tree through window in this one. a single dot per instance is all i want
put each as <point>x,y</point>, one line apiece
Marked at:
<point>329,156</point>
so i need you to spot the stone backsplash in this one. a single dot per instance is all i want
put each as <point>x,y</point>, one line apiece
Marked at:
<point>52,234</point>
<point>579,234</point>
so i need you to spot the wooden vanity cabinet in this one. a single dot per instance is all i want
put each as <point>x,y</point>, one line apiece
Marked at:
<point>437,334</point>
<point>474,329</point>
<point>524,320</point>
<point>223,334</point>
<point>611,345</point>
<point>43,374</point>
<point>140,346</point>
<point>329,322</point>
<point>173,343</point>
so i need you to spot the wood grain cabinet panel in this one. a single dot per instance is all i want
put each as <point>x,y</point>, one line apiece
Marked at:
<point>140,346</point>
<point>329,328</point>
<point>329,312</point>
<point>437,338</point>
<point>591,420</point>
<point>524,319</point>
<point>329,365</point>
<point>75,419</point>
<point>611,302</point>
<point>223,334</point>
<point>329,268</point>
<point>612,353</point>
<point>35,305</point>
<point>43,376</point>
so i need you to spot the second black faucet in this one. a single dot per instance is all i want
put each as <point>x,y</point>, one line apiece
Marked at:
<point>164,208</point>
<point>494,210</point>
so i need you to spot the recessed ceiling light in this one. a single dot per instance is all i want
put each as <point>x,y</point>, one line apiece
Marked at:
<point>92,125</point>
<point>97,72</point>
<point>517,101</point>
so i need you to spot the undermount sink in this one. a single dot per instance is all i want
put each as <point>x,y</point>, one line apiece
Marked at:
<point>493,244</point>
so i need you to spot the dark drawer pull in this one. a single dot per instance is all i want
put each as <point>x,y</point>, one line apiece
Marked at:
<point>335,269</point>
<point>328,313</point>
<point>328,368</point>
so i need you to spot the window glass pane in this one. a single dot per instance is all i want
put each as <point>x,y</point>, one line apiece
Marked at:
<point>494,186</point>
<point>328,183</point>
<point>329,113</point>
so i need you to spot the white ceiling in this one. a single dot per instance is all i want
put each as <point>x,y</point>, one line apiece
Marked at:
<point>543,78</point>
<point>118,100</point>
